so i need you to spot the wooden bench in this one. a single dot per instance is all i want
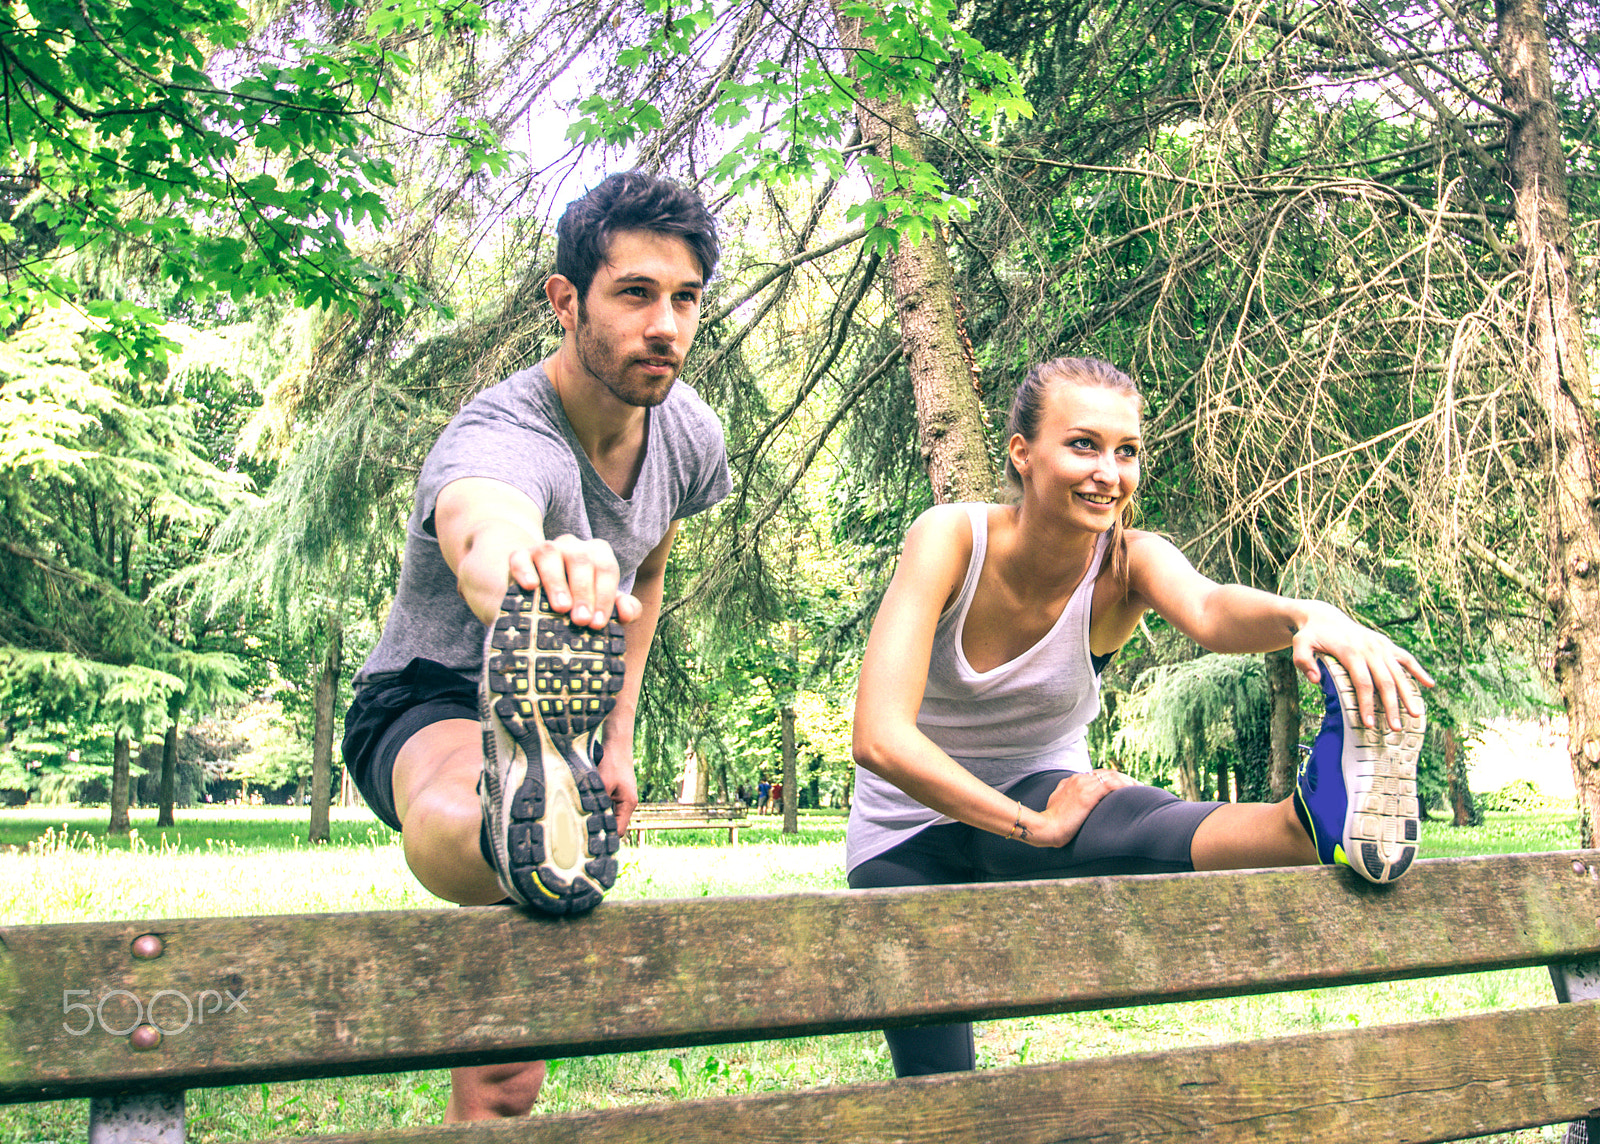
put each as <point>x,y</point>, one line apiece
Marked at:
<point>291,997</point>
<point>648,816</point>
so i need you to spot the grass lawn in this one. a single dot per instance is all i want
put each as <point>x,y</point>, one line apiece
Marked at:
<point>57,866</point>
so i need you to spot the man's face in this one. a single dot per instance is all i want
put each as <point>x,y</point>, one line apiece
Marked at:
<point>633,329</point>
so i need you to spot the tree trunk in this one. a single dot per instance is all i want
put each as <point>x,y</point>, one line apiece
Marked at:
<point>1464,811</point>
<point>1252,730</point>
<point>1191,783</point>
<point>943,376</point>
<point>1559,375</point>
<point>169,763</point>
<point>322,742</point>
<point>1259,562</point>
<point>1283,684</point>
<point>119,785</point>
<point>791,820</point>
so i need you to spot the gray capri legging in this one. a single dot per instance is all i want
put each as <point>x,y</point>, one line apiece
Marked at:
<point>1133,830</point>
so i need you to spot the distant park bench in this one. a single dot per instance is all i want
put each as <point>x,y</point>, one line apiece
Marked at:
<point>648,816</point>
<point>252,1000</point>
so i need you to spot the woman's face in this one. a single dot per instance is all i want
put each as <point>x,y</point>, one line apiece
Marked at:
<point>1084,459</point>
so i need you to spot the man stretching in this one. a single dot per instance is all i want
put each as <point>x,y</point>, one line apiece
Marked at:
<point>532,582</point>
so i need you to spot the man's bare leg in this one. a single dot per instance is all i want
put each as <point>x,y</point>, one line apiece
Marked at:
<point>491,1092</point>
<point>436,796</point>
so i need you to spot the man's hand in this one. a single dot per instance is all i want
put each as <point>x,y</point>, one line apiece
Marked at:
<point>491,534</point>
<point>579,577</point>
<point>616,771</point>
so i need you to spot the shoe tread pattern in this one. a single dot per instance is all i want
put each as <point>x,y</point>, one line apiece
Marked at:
<point>1385,815</point>
<point>542,670</point>
<point>543,666</point>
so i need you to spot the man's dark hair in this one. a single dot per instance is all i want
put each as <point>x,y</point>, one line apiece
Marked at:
<point>632,200</point>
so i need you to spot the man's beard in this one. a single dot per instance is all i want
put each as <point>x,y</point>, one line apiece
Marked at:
<point>601,360</point>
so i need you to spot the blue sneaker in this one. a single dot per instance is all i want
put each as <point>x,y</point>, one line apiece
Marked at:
<point>547,685</point>
<point>1357,791</point>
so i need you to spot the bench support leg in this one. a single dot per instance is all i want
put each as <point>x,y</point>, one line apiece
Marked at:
<point>140,1118</point>
<point>1579,981</point>
<point>1576,980</point>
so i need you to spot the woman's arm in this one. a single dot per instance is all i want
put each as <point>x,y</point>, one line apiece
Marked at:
<point>1234,618</point>
<point>894,674</point>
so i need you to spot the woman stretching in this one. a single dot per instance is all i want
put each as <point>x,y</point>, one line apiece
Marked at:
<point>982,674</point>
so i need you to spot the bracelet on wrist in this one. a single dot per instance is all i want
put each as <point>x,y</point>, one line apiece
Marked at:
<point>1019,832</point>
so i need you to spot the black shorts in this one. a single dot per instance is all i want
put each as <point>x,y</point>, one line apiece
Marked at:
<point>387,712</point>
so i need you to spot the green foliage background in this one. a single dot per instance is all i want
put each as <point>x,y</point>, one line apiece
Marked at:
<point>255,259</point>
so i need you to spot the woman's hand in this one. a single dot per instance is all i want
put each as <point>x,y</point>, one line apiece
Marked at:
<point>1070,803</point>
<point>1378,667</point>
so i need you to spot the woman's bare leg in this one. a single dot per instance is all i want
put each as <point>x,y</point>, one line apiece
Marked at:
<point>1248,835</point>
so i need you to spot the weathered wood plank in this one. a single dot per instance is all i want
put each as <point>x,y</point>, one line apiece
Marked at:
<point>357,993</point>
<point>1407,1084</point>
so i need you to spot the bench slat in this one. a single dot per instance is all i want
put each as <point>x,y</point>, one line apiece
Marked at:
<point>330,995</point>
<point>697,809</point>
<point>1433,1081</point>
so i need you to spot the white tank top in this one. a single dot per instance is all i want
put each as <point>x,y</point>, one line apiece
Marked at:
<point>1027,715</point>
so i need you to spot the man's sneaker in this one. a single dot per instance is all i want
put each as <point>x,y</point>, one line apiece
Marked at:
<point>546,686</point>
<point>1357,790</point>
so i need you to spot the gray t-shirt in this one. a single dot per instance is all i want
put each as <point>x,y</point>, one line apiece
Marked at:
<point>518,433</point>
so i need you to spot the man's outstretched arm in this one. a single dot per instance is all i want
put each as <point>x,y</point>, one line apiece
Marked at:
<point>490,532</point>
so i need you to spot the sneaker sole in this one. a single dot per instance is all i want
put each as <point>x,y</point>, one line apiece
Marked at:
<point>549,683</point>
<point>1383,816</point>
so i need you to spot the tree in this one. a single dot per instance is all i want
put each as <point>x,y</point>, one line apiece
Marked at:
<point>943,374</point>
<point>53,696</point>
<point>118,140</point>
<point>798,104</point>
<point>137,185</point>
<point>1185,718</point>
<point>104,486</point>
<point>323,542</point>
<point>1536,168</point>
